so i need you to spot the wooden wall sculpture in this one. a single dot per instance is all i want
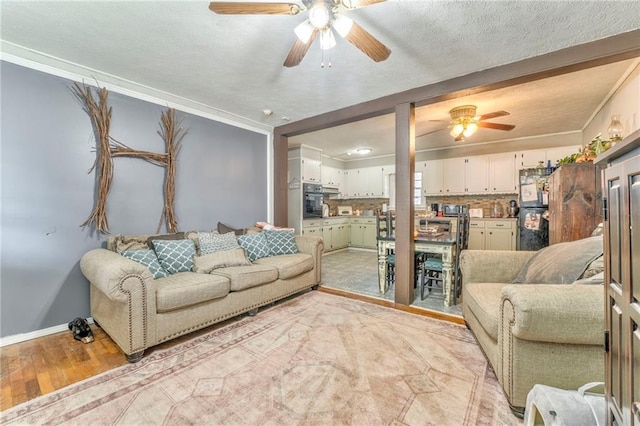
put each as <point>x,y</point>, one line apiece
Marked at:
<point>108,148</point>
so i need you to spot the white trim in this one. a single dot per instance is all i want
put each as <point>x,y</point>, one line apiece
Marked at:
<point>270,171</point>
<point>23,337</point>
<point>55,66</point>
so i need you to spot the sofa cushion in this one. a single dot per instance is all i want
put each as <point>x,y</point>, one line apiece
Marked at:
<point>256,245</point>
<point>220,259</point>
<point>188,288</point>
<point>175,255</point>
<point>175,236</point>
<point>281,242</point>
<point>149,259</point>
<point>289,265</point>
<point>561,263</point>
<point>483,299</point>
<point>243,277</point>
<point>212,242</point>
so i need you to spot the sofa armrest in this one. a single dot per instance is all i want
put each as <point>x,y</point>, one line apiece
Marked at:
<point>123,299</point>
<point>559,313</point>
<point>106,270</point>
<point>492,266</point>
<point>314,246</point>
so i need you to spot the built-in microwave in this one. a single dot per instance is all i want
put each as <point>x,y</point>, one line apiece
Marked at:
<point>311,200</point>
<point>453,209</point>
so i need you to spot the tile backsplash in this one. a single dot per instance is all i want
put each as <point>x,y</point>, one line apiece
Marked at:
<point>484,202</point>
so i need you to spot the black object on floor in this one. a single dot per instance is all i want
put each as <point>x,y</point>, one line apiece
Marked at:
<point>81,330</point>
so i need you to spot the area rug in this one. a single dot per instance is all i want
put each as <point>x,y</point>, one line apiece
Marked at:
<point>315,359</point>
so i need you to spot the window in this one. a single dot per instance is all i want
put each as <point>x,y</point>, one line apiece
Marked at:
<point>417,192</point>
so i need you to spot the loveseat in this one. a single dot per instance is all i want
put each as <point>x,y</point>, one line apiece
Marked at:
<point>538,316</point>
<point>138,310</point>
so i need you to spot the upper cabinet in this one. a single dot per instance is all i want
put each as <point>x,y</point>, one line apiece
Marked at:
<point>503,177</point>
<point>310,160</point>
<point>333,177</point>
<point>477,175</point>
<point>532,158</point>
<point>454,176</point>
<point>365,182</point>
<point>432,176</point>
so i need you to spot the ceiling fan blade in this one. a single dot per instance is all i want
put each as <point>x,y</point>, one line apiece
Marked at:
<point>298,51</point>
<point>493,115</point>
<point>354,4</point>
<point>367,43</point>
<point>459,138</point>
<point>496,126</point>
<point>251,8</point>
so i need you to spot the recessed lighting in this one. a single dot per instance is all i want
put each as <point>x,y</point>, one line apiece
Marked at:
<point>363,151</point>
<point>267,112</point>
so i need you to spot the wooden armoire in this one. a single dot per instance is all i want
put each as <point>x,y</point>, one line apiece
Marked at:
<point>575,202</point>
<point>621,188</point>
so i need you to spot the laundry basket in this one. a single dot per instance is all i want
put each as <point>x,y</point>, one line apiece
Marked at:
<point>549,406</point>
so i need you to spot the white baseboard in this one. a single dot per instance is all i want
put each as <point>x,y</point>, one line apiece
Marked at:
<point>23,337</point>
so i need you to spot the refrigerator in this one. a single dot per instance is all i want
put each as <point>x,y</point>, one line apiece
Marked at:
<point>534,203</point>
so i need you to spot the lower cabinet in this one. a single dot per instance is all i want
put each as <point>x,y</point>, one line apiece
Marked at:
<point>363,233</point>
<point>335,233</point>
<point>493,234</point>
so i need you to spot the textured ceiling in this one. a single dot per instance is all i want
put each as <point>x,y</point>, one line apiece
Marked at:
<point>233,63</point>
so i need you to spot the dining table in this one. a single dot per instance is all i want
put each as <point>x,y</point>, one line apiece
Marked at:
<point>441,243</point>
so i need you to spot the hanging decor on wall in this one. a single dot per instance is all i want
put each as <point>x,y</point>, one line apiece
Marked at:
<point>108,148</point>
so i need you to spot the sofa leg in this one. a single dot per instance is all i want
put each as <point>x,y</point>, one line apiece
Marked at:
<point>135,357</point>
<point>517,411</point>
<point>253,312</point>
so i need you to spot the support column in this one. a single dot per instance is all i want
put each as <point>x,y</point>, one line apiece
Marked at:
<point>405,168</point>
<point>280,185</point>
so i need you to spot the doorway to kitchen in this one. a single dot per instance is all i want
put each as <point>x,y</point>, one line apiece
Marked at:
<point>355,271</point>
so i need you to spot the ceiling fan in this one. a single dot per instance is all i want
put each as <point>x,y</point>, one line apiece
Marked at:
<point>465,122</point>
<point>323,17</point>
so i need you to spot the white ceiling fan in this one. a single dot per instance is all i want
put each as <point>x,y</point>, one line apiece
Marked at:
<point>324,17</point>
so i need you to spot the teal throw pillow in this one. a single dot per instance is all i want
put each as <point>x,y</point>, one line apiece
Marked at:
<point>147,258</point>
<point>211,243</point>
<point>256,245</point>
<point>281,242</point>
<point>175,255</point>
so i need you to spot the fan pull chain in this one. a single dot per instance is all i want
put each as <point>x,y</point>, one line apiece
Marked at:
<point>329,64</point>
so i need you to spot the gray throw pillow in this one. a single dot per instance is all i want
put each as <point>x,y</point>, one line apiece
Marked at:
<point>561,263</point>
<point>210,242</point>
<point>223,229</point>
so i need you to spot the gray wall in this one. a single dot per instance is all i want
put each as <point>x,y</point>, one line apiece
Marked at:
<point>46,193</point>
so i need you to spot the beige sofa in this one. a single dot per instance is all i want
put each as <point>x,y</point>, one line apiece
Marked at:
<point>138,311</point>
<point>550,334</point>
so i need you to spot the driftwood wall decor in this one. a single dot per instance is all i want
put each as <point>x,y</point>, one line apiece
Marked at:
<point>108,148</point>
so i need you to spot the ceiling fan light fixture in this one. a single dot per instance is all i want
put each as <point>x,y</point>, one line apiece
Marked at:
<point>470,129</point>
<point>327,40</point>
<point>304,31</point>
<point>457,130</point>
<point>363,151</point>
<point>319,16</point>
<point>342,24</point>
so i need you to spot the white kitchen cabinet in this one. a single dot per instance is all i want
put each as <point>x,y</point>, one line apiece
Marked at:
<point>464,176</point>
<point>503,177</point>
<point>432,176</point>
<point>476,174</point>
<point>310,163</point>
<point>531,158</point>
<point>454,176</point>
<point>366,182</point>
<point>493,234</point>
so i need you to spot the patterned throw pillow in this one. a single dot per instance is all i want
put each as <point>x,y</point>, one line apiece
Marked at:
<point>211,243</point>
<point>281,242</point>
<point>175,255</point>
<point>147,258</point>
<point>255,244</point>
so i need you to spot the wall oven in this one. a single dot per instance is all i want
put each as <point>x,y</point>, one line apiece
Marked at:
<point>311,200</point>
